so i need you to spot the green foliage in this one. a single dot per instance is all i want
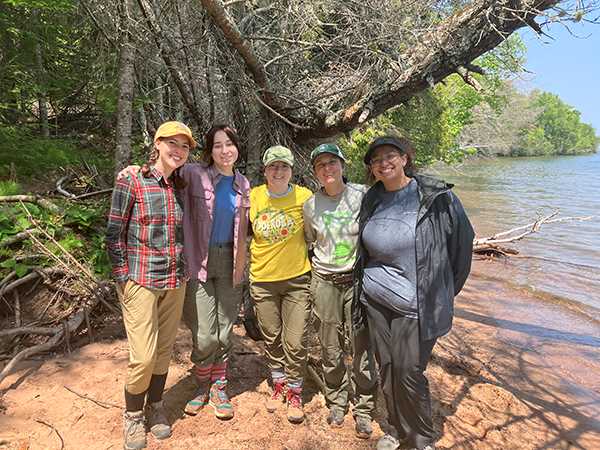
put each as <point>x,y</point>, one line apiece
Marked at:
<point>9,187</point>
<point>79,231</point>
<point>51,50</point>
<point>32,156</point>
<point>558,129</point>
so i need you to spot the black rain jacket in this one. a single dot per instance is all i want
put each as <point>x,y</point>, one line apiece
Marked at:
<point>444,246</point>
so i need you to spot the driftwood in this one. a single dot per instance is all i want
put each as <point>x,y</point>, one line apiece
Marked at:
<point>495,245</point>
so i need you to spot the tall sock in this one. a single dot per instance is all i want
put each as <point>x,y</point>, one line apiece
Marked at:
<point>295,384</point>
<point>157,387</point>
<point>218,371</point>
<point>278,375</point>
<point>203,373</point>
<point>134,402</point>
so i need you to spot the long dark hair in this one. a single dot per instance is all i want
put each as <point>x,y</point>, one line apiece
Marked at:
<point>178,181</point>
<point>209,141</point>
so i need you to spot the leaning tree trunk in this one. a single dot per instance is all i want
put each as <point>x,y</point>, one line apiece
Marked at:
<point>126,87</point>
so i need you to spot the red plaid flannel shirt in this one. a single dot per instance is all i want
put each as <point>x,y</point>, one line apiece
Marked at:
<point>144,237</point>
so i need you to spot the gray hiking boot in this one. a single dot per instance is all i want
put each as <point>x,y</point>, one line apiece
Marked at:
<point>363,427</point>
<point>335,419</point>
<point>157,420</point>
<point>387,442</point>
<point>134,431</point>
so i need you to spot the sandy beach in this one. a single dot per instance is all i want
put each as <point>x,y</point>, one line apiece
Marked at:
<point>514,373</point>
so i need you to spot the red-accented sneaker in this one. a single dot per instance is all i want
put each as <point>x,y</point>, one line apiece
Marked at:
<point>278,397</point>
<point>295,413</point>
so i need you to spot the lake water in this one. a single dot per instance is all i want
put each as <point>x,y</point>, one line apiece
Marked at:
<point>561,262</point>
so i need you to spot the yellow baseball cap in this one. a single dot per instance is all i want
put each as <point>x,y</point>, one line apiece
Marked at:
<point>173,128</point>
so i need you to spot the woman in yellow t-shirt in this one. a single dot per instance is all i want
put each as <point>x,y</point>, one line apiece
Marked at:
<point>280,278</point>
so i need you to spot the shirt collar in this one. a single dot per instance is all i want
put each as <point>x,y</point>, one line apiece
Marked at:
<point>159,175</point>
<point>215,176</point>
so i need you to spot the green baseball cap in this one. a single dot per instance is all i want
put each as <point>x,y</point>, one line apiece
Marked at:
<point>278,153</point>
<point>326,148</point>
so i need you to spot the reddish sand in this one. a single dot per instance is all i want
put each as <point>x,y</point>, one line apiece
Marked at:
<point>510,375</point>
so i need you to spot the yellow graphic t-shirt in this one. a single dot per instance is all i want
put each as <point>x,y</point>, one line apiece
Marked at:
<point>278,249</point>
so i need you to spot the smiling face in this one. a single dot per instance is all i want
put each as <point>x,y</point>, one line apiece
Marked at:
<point>328,169</point>
<point>387,164</point>
<point>224,152</point>
<point>173,152</point>
<point>278,175</point>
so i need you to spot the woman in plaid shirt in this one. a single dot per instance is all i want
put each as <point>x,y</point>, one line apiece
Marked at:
<point>145,245</point>
<point>215,224</point>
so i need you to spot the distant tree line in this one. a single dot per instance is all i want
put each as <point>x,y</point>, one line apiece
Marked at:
<point>296,73</point>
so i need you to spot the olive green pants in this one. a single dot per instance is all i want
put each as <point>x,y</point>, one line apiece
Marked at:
<point>332,308</point>
<point>211,309</point>
<point>283,309</point>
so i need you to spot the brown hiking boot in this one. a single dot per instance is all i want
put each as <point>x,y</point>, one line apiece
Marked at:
<point>200,399</point>
<point>295,413</point>
<point>219,400</point>
<point>134,430</point>
<point>278,396</point>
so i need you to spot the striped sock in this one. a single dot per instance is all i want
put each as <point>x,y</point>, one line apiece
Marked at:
<point>218,372</point>
<point>203,373</point>
<point>278,375</point>
<point>295,384</point>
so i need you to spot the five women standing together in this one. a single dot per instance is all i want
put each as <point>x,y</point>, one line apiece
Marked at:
<point>386,264</point>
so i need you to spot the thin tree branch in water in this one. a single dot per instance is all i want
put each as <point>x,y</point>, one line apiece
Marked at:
<point>492,244</point>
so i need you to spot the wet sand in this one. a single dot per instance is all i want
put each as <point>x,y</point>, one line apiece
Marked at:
<point>543,358</point>
<point>516,372</point>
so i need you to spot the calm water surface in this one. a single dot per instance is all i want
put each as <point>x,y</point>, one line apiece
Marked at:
<point>561,262</point>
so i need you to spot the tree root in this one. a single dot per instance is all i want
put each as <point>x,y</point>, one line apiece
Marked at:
<point>63,331</point>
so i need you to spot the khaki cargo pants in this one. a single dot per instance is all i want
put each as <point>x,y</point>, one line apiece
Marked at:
<point>151,318</point>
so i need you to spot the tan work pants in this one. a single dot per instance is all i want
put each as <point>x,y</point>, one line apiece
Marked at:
<point>151,319</point>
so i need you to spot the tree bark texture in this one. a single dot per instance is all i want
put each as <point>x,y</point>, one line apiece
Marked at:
<point>126,90</point>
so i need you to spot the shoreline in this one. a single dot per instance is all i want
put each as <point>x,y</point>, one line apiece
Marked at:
<point>500,379</point>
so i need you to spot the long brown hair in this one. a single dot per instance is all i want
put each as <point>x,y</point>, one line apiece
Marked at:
<point>178,181</point>
<point>209,141</point>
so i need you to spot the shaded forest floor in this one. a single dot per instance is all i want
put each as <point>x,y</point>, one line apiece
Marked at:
<point>498,381</point>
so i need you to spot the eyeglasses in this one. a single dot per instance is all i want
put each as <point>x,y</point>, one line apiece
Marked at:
<point>386,157</point>
<point>174,143</point>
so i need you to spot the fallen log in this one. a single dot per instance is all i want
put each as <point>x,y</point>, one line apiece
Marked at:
<point>38,200</point>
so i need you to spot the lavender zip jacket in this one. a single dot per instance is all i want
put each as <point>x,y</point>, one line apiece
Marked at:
<point>199,204</point>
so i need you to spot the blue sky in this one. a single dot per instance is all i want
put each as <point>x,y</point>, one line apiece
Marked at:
<point>568,66</point>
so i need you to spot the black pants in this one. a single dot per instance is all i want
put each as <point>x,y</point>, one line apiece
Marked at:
<point>402,359</point>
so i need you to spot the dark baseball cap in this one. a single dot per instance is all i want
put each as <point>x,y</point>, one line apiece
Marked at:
<point>401,144</point>
<point>326,148</point>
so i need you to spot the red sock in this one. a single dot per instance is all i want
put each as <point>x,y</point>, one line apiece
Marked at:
<point>218,372</point>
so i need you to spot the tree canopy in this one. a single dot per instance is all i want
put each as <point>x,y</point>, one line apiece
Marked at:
<point>294,73</point>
